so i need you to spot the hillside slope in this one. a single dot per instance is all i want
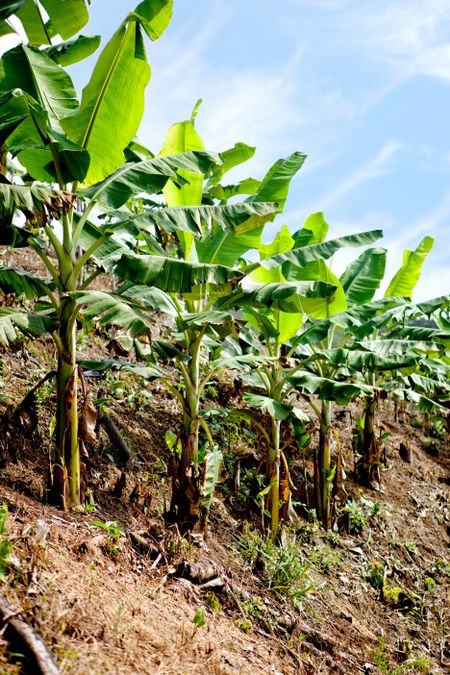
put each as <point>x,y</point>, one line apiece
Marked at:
<point>114,589</point>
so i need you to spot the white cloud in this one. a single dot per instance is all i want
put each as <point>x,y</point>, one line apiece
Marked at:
<point>410,34</point>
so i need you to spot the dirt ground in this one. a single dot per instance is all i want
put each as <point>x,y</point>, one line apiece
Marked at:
<point>113,589</point>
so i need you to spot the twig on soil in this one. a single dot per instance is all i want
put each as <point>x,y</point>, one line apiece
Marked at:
<point>114,435</point>
<point>20,632</point>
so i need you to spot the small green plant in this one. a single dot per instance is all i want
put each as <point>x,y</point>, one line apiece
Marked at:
<point>414,665</point>
<point>244,625</point>
<point>5,545</point>
<point>411,547</point>
<point>324,560</point>
<point>430,584</point>
<point>213,602</point>
<point>199,619</point>
<point>115,533</point>
<point>443,567</point>
<point>357,521</point>
<point>404,600</point>
<point>284,570</point>
<point>375,575</point>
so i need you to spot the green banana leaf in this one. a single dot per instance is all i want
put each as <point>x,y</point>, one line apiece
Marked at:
<point>152,299</point>
<point>19,282</point>
<point>248,186</point>
<point>68,53</point>
<point>206,319</point>
<point>241,152</point>
<point>408,275</point>
<point>113,310</point>
<point>9,7</point>
<point>182,137</point>
<point>33,23</point>
<point>13,323</point>
<point>112,103</point>
<point>172,275</point>
<point>363,276</point>
<point>285,296</point>
<point>66,17</point>
<point>212,464</point>
<point>154,16</point>
<point>274,186</point>
<point>240,218</point>
<point>327,389</point>
<point>148,176</point>
<point>276,410</point>
<point>146,372</point>
<point>306,254</point>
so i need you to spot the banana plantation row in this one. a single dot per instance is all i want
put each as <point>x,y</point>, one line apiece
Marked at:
<point>79,191</point>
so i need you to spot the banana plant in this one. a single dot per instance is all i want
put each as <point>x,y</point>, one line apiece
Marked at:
<point>290,282</point>
<point>402,284</point>
<point>206,233</point>
<point>76,151</point>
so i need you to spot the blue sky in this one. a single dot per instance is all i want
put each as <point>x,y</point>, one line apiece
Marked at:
<point>362,87</point>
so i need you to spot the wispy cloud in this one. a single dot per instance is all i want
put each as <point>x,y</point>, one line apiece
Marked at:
<point>410,34</point>
<point>374,168</point>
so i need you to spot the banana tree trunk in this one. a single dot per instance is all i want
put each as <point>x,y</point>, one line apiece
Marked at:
<point>67,466</point>
<point>371,450</point>
<point>323,467</point>
<point>273,477</point>
<point>185,504</point>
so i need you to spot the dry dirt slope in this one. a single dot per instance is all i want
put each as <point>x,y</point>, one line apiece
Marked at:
<point>125,603</point>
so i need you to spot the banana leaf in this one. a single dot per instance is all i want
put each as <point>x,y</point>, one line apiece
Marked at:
<point>408,275</point>
<point>172,275</point>
<point>149,176</point>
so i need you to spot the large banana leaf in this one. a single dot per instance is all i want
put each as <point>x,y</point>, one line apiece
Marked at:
<point>154,16</point>
<point>241,152</point>
<point>33,23</point>
<point>67,53</point>
<point>389,347</point>
<point>372,360</point>
<point>306,254</point>
<point>277,410</point>
<point>147,372</point>
<point>31,70</point>
<point>314,231</point>
<point>172,275</point>
<point>13,323</point>
<point>182,137</point>
<point>239,218</point>
<point>326,389</point>
<point>108,253</point>
<point>19,282</point>
<point>225,247</point>
<point>248,186</point>
<point>275,185</point>
<point>408,275</point>
<point>9,7</point>
<point>286,296</point>
<point>67,17</point>
<point>363,276</point>
<point>424,403</point>
<point>286,324</point>
<point>206,319</point>
<point>113,310</point>
<point>34,200</point>
<point>148,176</point>
<point>39,94</point>
<point>151,298</point>
<point>113,101</point>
